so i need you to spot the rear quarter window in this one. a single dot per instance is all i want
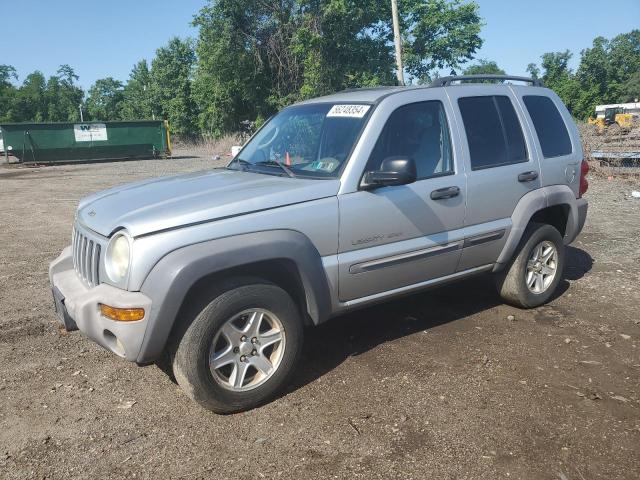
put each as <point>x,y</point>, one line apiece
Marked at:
<point>550,127</point>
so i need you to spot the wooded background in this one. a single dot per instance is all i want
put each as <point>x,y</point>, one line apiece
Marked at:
<point>253,57</point>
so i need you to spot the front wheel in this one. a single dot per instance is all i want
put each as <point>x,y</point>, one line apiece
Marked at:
<point>240,349</point>
<point>535,272</point>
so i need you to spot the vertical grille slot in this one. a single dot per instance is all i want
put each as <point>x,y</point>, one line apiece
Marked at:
<point>86,258</point>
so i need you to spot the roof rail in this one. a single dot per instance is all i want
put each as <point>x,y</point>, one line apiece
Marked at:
<point>446,81</point>
<point>358,89</point>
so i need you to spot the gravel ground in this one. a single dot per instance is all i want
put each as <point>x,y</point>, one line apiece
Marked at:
<point>445,384</point>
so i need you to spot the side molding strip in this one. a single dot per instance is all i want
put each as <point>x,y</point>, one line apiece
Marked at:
<point>384,296</point>
<point>483,238</point>
<point>404,257</point>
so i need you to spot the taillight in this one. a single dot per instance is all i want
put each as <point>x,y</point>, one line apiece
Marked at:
<point>584,183</point>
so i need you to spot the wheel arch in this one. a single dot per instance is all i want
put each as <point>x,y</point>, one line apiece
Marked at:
<point>284,257</point>
<point>554,205</point>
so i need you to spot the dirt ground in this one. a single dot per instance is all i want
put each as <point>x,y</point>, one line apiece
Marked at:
<point>448,384</point>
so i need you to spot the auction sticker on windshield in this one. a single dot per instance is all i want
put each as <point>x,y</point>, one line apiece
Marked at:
<point>355,111</point>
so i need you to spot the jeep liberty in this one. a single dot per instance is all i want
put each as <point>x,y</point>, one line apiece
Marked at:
<point>336,203</point>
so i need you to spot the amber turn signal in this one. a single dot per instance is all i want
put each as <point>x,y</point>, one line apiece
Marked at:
<point>122,314</point>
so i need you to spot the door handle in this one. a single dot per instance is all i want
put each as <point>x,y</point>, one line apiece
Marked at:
<point>527,176</point>
<point>447,192</point>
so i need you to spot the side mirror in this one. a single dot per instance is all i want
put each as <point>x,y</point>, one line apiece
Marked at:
<point>393,171</point>
<point>235,150</point>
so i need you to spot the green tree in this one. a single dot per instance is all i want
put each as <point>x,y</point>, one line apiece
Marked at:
<point>631,89</point>
<point>171,76</point>
<point>624,59</point>
<point>255,56</point>
<point>439,34</point>
<point>105,99</point>
<point>592,78</point>
<point>484,67</point>
<point>63,96</point>
<point>555,67</point>
<point>557,75</point>
<point>227,86</point>
<point>7,92</point>
<point>137,102</point>
<point>605,70</point>
<point>533,70</point>
<point>31,99</point>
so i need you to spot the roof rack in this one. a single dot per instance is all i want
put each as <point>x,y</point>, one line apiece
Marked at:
<point>446,81</point>
<point>377,87</point>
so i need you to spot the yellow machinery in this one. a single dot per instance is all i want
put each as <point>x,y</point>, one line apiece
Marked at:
<point>625,115</point>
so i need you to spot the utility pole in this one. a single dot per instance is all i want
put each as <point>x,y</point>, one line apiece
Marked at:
<point>81,118</point>
<point>397,40</point>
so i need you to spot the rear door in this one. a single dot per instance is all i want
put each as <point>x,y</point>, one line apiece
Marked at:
<point>501,163</point>
<point>552,124</point>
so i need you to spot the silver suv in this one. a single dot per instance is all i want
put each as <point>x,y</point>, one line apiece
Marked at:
<point>336,203</point>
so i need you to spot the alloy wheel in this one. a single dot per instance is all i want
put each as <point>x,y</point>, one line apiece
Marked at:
<point>247,350</point>
<point>542,267</point>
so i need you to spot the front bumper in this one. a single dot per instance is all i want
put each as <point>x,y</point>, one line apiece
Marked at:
<point>82,306</point>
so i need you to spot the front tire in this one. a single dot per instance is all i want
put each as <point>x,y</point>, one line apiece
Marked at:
<point>534,274</point>
<point>240,349</point>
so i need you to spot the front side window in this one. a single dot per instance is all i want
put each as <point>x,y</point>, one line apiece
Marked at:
<point>418,131</point>
<point>309,140</point>
<point>551,129</point>
<point>493,131</point>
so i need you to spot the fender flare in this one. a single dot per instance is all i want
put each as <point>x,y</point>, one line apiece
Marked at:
<point>533,202</point>
<point>172,277</point>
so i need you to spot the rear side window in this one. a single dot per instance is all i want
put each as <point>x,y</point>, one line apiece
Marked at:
<point>551,129</point>
<point>493,131</point>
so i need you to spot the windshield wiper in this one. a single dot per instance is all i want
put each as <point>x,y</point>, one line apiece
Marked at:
<point>286,169</point>
<point>243,163</point>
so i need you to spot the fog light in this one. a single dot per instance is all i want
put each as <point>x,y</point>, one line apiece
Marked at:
<point>122,314</point>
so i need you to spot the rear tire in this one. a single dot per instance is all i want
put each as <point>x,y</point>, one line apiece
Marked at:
<point>240,349</point>
<point>533,275</point>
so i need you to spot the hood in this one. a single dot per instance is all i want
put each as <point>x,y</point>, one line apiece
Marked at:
<point>169,202</point>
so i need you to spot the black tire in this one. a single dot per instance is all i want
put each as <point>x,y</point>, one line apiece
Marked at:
<point>512,284</point>
<point>191,358</point>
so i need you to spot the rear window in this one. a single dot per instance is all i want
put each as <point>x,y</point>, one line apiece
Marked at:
<point>493,131</point>
<point>550,127</point>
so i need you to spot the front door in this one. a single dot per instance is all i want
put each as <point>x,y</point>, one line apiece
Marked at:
<point>398,236</point>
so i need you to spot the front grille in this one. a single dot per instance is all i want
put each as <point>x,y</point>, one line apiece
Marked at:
<point>86,258</point>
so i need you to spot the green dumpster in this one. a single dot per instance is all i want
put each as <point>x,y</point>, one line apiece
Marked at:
<point>74,142</point>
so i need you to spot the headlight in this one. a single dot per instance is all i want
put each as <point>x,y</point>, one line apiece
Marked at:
<point>118,257</point>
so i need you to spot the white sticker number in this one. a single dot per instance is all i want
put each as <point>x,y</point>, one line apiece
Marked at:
<point>355,111</point>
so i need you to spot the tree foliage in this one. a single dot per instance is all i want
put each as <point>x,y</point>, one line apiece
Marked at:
<point>136,96</point>
<point>439,34</point>
<point>32,99</point>
<point>105,99</point>
<point>484,67</point>
<point>7,92</point>
<point>607,73</point>
<point>171,78</point>
<point>63,96</point>
<point>631,89</point>
<point>256,56</point>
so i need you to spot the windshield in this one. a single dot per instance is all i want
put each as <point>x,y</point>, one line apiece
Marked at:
<point>305,140</point>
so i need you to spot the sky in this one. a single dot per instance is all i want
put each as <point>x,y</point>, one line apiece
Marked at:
<point>106,38</point>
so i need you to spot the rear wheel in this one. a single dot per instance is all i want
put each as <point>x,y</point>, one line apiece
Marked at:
<point>533,275</point>
<point>240,349</point>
